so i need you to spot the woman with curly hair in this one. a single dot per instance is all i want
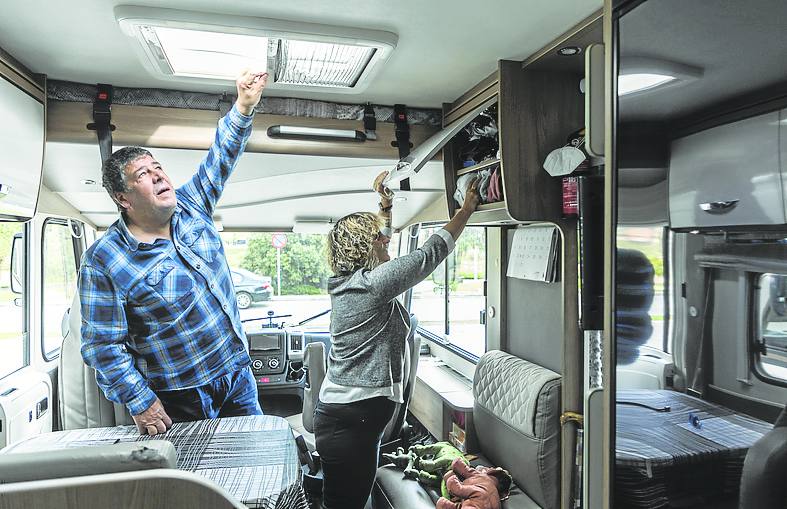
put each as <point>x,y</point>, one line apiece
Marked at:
<point>369,330</point>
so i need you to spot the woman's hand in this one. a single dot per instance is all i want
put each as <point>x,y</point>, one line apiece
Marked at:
<point>380,188</point>
<point>472,198</point>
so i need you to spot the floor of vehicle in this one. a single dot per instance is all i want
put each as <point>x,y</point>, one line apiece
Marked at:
<point>281,405</point>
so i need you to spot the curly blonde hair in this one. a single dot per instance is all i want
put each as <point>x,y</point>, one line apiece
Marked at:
<point>350,243</point>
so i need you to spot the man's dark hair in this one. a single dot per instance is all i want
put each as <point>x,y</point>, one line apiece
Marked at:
<point>113,172</point>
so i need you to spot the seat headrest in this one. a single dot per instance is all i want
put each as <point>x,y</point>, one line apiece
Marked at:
<point>516,415</point>
<point>509,387</point>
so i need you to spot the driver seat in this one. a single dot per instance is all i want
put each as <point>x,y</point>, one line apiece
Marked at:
<point>82,402</point>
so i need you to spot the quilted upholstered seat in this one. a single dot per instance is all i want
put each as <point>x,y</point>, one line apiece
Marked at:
<point>516,413</point>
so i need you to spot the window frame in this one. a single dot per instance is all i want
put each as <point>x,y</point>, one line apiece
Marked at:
<point>435,339</point>
<point>26,357</point>
<point>755,345</point>
<point>76,246</point>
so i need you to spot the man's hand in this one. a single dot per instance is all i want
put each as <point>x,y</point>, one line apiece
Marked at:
<point>154,420</point>
<point>250,85</point>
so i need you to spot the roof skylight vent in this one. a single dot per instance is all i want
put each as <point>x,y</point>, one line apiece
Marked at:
<point>203,47</point>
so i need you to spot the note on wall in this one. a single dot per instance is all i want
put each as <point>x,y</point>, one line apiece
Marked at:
<point>534,253</point>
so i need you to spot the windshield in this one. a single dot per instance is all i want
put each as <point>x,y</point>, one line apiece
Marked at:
<point>286,273</point>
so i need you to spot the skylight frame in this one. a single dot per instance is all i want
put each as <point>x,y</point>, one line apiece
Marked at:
<point>131,19</point>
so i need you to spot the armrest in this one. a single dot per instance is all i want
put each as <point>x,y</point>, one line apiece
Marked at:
<point>88,460</point>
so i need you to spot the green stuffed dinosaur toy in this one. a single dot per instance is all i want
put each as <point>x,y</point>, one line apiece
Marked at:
<point>427,463</point>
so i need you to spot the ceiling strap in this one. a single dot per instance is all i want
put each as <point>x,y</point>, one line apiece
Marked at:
<point>402,138</point>
<point>369,122</point>
<point>102,117</point>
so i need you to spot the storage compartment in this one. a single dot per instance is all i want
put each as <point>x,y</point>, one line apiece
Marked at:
<point>537,108</point>
<point>22,142</point>
<point>728,176</point>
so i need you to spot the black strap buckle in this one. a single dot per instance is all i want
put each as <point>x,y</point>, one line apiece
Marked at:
<point>402,142</point>
<point>369,122</point>
<point>102,119</point>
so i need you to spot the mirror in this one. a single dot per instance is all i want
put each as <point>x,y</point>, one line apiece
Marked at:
<point>687,71</point>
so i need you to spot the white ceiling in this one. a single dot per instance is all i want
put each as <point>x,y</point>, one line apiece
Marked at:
<point>444,47</point>
<point>267,191</point>
<point>739,50</point>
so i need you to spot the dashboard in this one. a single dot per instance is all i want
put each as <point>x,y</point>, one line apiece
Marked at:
<point>277,354</point>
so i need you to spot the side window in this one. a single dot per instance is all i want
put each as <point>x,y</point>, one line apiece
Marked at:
<point>13,280</point>
<point>393,246</point>
<point>771,326</point>
<point>653,243</point>
<point>450,304</point>
<point>428,296</point>
<point>59,283</point>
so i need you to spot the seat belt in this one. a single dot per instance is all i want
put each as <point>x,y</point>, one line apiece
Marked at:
<point>102,118</point>
<point>402,138</point>
<point>369,122</point>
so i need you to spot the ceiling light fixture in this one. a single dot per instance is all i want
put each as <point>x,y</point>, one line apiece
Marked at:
<point>639,74</point>
<point>178,45</point>
<point>568,51</point>
<point>315,133</point>
<point>312,226</point>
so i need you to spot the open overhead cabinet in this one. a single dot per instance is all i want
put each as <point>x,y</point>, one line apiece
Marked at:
<point>22,137</point>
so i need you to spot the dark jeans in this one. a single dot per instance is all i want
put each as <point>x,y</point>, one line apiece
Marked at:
<point>227,396</point>
<point>348,437</point>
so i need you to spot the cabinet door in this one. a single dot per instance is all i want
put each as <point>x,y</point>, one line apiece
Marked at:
<point>22,145</point>
<point>727,176</point>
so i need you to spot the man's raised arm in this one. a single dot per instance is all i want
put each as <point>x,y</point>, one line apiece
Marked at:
<point>233,131</point>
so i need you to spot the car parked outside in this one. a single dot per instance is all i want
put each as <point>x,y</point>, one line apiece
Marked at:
<point>250,287</point>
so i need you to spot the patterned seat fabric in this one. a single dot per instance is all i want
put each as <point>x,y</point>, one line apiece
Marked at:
<point>516,415</point>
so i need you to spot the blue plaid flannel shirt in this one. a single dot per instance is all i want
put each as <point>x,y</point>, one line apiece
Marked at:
<point>162,316</point>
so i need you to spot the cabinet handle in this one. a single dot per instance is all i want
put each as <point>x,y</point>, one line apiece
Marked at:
<point>719,207</point>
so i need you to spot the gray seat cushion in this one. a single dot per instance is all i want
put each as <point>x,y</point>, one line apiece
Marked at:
<point>296,423</point>
<point>82,403</point>
<point>762,483</point>
<point>516,414</point>
<point>392,491</point>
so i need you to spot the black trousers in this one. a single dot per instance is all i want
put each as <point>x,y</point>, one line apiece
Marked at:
<point>347,436</point>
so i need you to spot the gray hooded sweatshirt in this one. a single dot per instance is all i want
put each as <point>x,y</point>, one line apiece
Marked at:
<point>369,326</point>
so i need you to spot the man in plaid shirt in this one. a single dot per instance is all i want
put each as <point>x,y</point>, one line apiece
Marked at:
<point>159,320</point>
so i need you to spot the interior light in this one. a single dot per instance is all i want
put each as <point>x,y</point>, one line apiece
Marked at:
<point>178,45</point>
<point>630,83</point>
<point>315,133</point>
<point>312,226</point>
<point>567,51</point>
<point>641,74</point>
